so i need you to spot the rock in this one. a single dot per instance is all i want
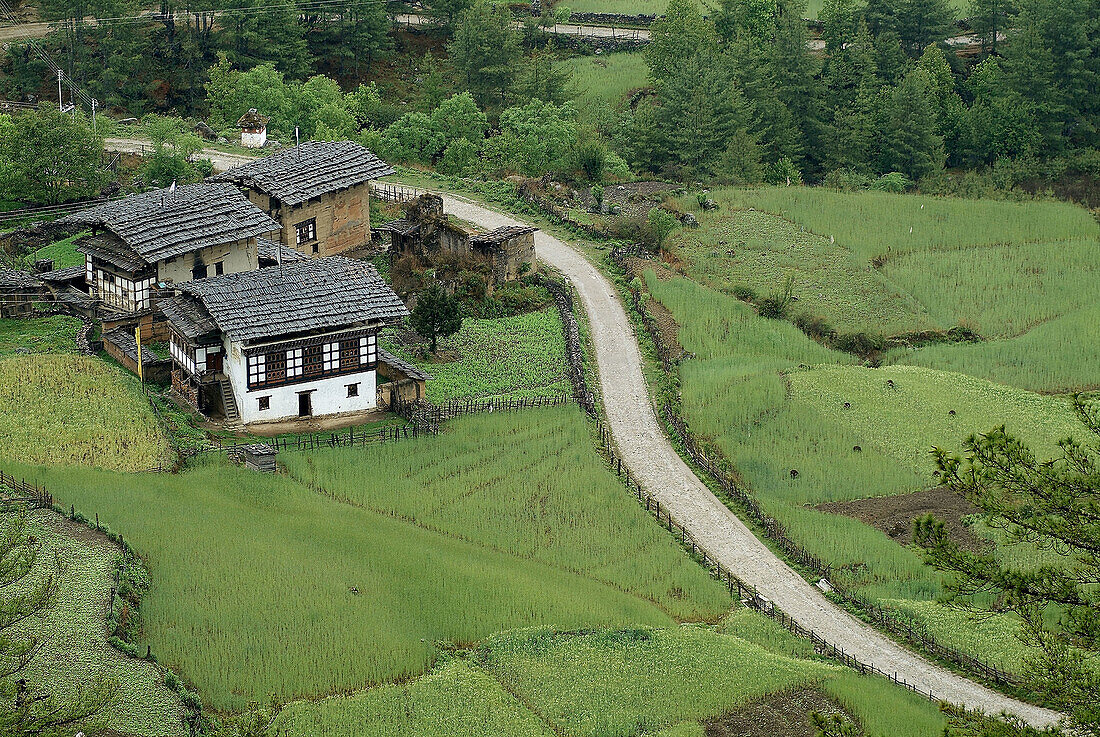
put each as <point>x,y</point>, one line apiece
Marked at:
<point>127,121</point>
<point>689,220</point>
<point>206,131</point>
<point>616,210</point>
<point>709,204</point>
<point>223,140</point>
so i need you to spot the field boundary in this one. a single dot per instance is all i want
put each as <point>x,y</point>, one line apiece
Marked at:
<point>890,620</point>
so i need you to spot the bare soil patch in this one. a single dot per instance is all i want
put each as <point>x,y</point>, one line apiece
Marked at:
<point>894,515</point>
<point>784,714</point>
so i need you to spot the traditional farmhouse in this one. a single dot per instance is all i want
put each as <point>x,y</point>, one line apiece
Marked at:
<point>167,237</point>
<point>286,342</point>
<point>319,192</point>
<point>426,233</point>
<point>253,129</point>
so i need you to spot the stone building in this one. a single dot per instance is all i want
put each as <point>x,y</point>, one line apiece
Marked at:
<point>319,192</point>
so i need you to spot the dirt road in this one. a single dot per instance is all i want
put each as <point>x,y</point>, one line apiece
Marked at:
<point>654,462</point>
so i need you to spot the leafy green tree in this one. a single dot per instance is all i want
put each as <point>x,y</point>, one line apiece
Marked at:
<point>910,143</point>
<point>485,52</point>
<point>734,19</point>
<point>998,123</point>
<point>174,149</point>
<point>54,157</point>
<point>436,315</point>
<point>459,117</point>
<point>1054,504</point>
<point>459,158</point>
<point>27,589</point>
<point>534,139</point>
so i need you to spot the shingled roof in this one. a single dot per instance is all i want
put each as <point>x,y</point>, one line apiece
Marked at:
<point>296,175</point>
<point>304,296</point>
<point>188,316</point>
<point>13,279</point>
<point>270,252</point>
<point>161,224</point>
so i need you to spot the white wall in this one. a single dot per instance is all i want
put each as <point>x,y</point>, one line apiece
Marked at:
<point>330,394</point>
<point>254,140</point>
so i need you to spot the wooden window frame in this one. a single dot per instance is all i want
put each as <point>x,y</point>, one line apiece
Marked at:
<point>305,232</point>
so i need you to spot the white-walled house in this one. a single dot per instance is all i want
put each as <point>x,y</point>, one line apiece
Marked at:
<point>166,237</point>
<point>281,343</point>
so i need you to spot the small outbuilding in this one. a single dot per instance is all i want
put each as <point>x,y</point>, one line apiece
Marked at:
<point>19,290</point>
<point>259,457</point>
<point>253,129</point>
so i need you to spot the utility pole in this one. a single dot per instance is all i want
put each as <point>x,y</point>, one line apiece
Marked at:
<point>60,104</point>
<point>95,102</point>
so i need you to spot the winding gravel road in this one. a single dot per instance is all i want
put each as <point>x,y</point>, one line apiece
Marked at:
<point>653,461</point>
<point>650,456</point>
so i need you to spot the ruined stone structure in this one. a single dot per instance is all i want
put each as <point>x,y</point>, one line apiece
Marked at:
<point>427,233</point>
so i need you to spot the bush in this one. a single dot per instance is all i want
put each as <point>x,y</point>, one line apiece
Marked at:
<point>864,345</point>
<point>895,182</point>
<point>772,308</point>
<point>846,180</point>
<point>744,293</point>
<point>459,158</point>
<point>814,326</point>
<point>784,172</point>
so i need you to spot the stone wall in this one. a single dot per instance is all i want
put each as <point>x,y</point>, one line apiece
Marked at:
<point>343,221</point>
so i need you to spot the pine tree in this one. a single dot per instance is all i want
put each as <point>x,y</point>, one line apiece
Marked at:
<point>485,52</point>
<point>909,140</point>
<point>675,38</point>
<point>990,18</point>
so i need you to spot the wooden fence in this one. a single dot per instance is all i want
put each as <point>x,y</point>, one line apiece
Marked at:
<point>23,494</point>
<point>393,192</point>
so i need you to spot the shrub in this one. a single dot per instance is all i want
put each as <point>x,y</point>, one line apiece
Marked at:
<point>744,293</point>
<point>846,180</point>
<point>895,182</point>
<point>661,223</point>
<point>859,343</point>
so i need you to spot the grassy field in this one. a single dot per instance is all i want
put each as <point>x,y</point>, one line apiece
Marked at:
<point>567,502</point>
<point>773,401</point>
<point>63,253</point>
<point>243,564</point>
<point>92,413</point>
<point>75,652</point>
<point>606,78</point>
<point>1020,274</point>
<point>519,356</point>
<point>640,681</point>
<point>38,335</point>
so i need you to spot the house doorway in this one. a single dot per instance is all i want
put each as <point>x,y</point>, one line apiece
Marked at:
<point>305,404</point>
